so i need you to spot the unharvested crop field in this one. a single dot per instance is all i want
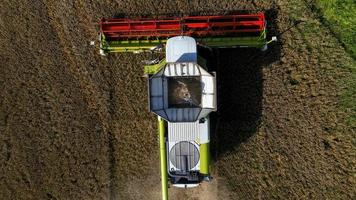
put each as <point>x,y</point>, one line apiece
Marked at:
<point>75,125</point>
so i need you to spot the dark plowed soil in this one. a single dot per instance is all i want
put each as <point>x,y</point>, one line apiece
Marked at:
<point>75,125</point>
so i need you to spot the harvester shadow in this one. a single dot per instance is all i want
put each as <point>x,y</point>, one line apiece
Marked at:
<point>240,92</point>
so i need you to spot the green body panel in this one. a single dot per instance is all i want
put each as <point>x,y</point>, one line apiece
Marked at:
<point>131,45</point>
<point>163,158</point>
<point>138,46</point>
<point>204,158</point>
<point>142,45</point>
<point>233,41</point>
<point>257,41</point>
<point>152,69</point>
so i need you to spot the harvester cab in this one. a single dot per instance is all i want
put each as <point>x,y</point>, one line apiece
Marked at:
<point>182,89</point>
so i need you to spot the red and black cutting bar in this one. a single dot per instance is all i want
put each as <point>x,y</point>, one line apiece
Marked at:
<point>121,28</point>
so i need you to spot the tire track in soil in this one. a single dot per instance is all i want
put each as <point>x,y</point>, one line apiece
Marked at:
<point>109,108</point>
<point>32,103</point>
<point>76,65</point>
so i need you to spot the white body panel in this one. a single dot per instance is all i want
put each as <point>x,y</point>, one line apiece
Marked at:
<point>185,185</point>
<point>182,69</point>
<point>194,132</point>
<point>189,131</point>
<point>181,49</point>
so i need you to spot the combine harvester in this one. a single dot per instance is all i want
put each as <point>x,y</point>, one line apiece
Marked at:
<point>182,89</point>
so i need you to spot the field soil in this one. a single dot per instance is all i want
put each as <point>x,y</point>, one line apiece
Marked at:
<point>75,125</point>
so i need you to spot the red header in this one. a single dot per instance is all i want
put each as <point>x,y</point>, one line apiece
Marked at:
<point>121,28</point>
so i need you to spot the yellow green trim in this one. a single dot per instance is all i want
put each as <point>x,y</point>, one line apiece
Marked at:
<point>152,69</point>
<point>163,158</point>
<point>141,45</point>
<point>204,158</point>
